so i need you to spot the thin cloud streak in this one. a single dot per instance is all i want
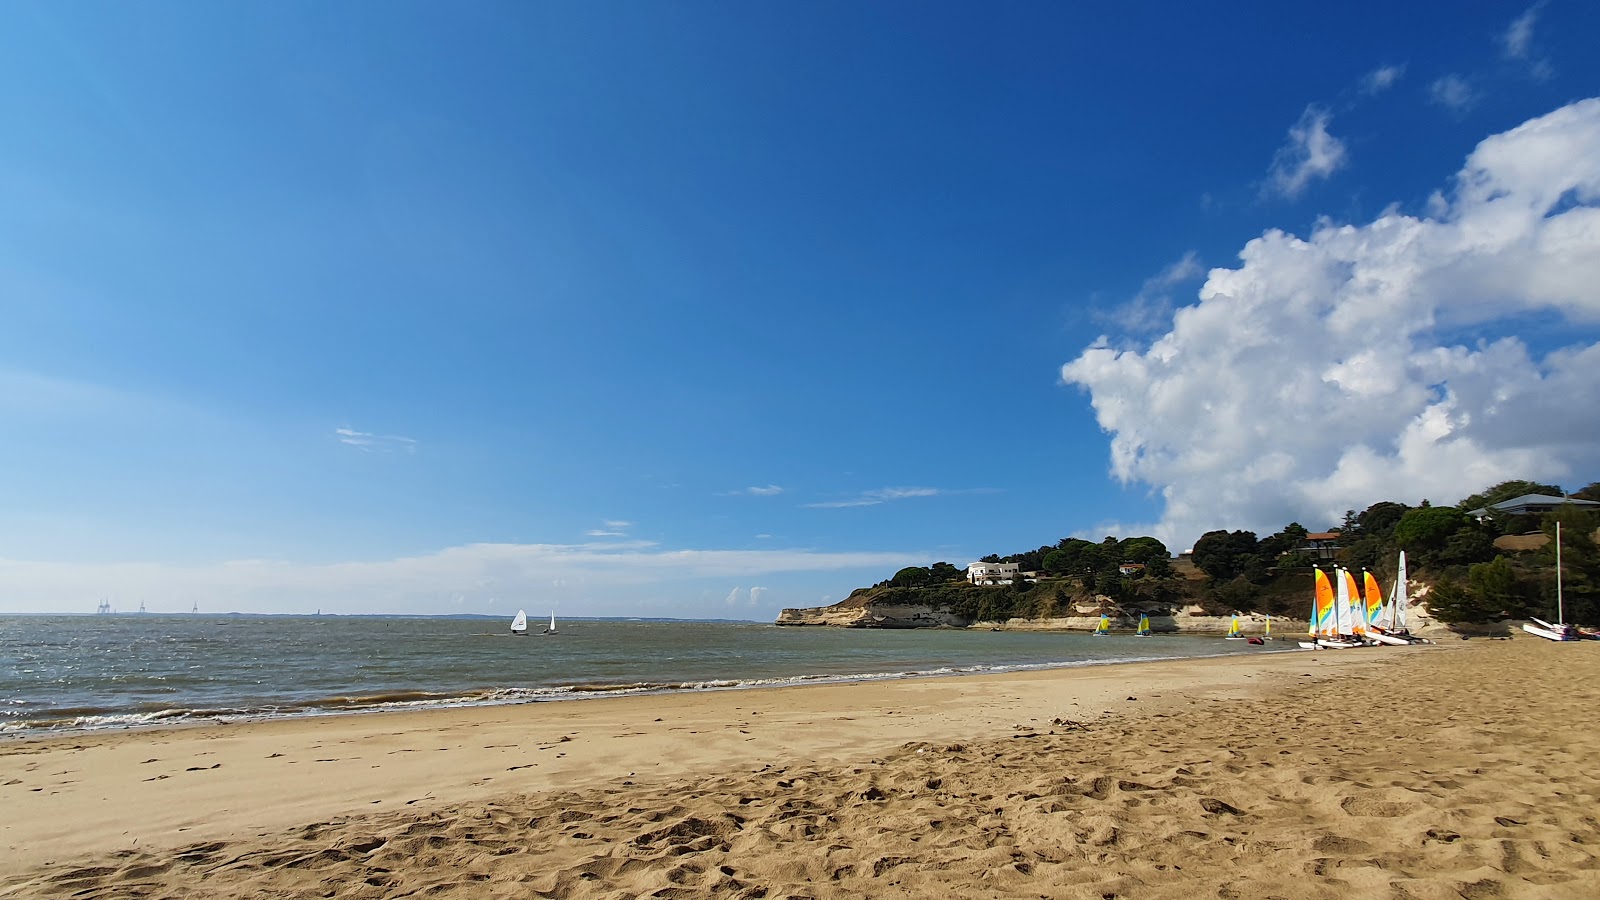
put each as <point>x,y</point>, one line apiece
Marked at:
<point>369,442</point>
<point>420,583</point>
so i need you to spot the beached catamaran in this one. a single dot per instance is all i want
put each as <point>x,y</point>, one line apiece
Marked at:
<point>1324,631</point>
<point>1560,630</point>
<point>1389,625</point>
<point>1144,627</point>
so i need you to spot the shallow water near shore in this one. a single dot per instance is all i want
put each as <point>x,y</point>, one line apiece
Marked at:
<point>92,672</point>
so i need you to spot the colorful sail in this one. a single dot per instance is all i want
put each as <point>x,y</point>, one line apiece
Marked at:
<point>1235,630</point>
<point>1323,620</point>
<point>1144,626</point>
<point>1374,597</point>
<point>1104,627</point>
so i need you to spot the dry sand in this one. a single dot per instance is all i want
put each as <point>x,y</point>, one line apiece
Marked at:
<point>1463,770</point>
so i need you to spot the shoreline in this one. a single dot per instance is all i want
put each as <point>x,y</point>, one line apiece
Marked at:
<point>1428,772</point>
<point>115,721</point>
<point>377,760</point>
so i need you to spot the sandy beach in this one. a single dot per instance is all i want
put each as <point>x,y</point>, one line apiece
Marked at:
<point>1460,770</point>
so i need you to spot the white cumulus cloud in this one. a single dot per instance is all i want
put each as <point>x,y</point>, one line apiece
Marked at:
<point>1321,374</point>
<point>1311,153</point>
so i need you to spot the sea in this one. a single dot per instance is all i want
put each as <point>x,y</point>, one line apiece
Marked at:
<point>87,673</point>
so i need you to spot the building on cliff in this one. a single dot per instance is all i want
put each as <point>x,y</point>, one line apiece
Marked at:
<point>993,573</point>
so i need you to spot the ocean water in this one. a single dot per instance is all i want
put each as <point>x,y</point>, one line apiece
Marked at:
<point>61,673</point>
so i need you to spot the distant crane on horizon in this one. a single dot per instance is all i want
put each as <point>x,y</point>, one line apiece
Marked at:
<point>104,609</point>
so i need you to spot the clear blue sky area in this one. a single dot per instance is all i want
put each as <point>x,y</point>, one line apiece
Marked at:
<point>666,308</point>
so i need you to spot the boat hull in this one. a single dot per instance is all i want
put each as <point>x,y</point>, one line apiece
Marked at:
<point>1549,634</point>
<point>1390,639</point>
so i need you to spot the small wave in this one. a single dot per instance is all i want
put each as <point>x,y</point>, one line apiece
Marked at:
<point>72,719</point>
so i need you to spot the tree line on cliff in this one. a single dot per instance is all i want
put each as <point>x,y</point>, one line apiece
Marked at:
<point>1473,578</point>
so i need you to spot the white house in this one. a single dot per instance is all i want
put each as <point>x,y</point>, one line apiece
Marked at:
<point>993,573</point>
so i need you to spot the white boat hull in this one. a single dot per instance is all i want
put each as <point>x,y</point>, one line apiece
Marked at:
<point>1549,634</point>
<point>1389,639</point>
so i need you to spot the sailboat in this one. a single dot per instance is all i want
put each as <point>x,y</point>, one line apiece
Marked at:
<point>1104,627</point>
<point>1382,627</point>
<point>1560,631</point>
<point>1266,631</point>
<point>552,628</point>
<point>1144,627</point>
<point>1235,630</point>
<point>1324,631</point>
<point>519,625</point>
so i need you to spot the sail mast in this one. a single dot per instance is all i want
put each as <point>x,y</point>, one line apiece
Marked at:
<point>1561,616</point>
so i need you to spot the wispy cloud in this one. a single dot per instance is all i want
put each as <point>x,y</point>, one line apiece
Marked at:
<point>1382,78</point>
<point>875,497</point>
<point>610,528</point>
<point>1152,307</point>
<point>771,490</point>
<point>1311,154</point>
<point>1454,93</point>
<point>369,442</point>
<point>424,583</point>
<point>1516,43</point>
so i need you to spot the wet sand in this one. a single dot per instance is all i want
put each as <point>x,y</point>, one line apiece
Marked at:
<point>1465,769</point>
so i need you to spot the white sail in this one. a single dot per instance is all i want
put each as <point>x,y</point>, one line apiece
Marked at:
<point>1341,605</point>
<point>552,628</point>
<point>1402,596</point>
<point>519,625</point>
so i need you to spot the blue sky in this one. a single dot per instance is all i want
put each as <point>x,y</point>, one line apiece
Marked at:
<point>711,309</point>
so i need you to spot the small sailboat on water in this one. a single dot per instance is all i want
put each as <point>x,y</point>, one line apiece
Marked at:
<point>1144,627</point>
<point>1235,629</point>
<point>552,628</point>
<point>519,624</point>
<point>1103,628</point>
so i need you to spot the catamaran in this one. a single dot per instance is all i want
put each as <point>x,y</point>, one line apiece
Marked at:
<point>519,625</point>
<point>1560,631</point>
<point>1103,628</point>
<point>1324,631</point>
<point>1144,627</point>
<point>1235,630</point>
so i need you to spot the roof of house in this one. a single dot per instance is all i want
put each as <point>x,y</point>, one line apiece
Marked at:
<point>1533,500</point>
<point>1323,536</point>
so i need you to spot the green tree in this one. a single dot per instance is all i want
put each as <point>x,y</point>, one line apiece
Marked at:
<point>1495,586</point>
<point>1592,492</point>
<point>1159,567</point>
<point>941,572</point>
<point>1451,602</point>
<point>1580,567</point>
<point>1225,555</point>
<point>1380,519</point>
<point>1141,549</point>
<point>910,576</point>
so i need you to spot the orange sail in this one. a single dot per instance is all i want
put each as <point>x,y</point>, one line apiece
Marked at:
<point>1374,597</point>
<point>1322,617</point>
